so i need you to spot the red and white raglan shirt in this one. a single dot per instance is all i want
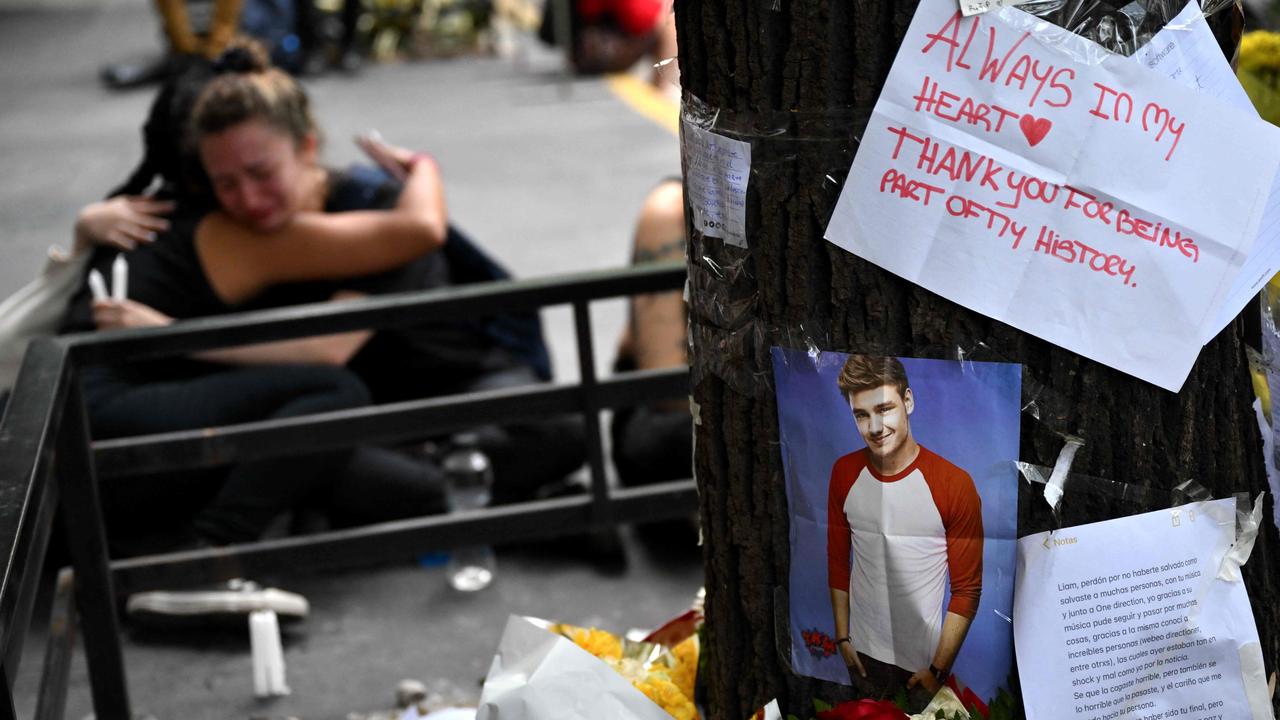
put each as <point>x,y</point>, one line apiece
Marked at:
<point>908,532</point>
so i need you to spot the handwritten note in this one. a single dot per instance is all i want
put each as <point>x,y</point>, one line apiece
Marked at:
<point>1148,633</point>
<point>716,172</point>
<point>1186,52</point>
<point>1026,173</point>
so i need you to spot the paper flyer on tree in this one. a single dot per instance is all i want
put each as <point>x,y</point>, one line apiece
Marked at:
<point>1024,172</point>
<point>1148,632</point>
<point>716,170</point>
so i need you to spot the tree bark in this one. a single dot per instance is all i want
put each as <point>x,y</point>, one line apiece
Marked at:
<point>798,78</point>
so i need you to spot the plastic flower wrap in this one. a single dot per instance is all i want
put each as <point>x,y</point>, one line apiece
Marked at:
<point>945,704</point>
<point>771,711</point>
<point>664,676</point>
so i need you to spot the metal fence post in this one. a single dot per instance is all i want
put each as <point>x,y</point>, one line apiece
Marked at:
<point>591,411</point>
<point>7,709</point>
<point>51,702</point>
<point>88,545</point>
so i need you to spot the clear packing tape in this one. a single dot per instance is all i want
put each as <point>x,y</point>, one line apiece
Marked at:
<point>1039,403</point>
<point>1055,486</point>
<point>1142,498</point>
<point>1248,518</point>
<point>1267,385</point>
<point>1124,27</point>
<point>723,291</point>
<point>1248,521</point>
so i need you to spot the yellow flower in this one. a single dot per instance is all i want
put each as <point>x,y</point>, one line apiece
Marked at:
<point>660,689</point>
<point>1260,51</point>
<point>670,688</point>
<point>686,671</point>
<point>1259,72</point>
<point>603,645</point>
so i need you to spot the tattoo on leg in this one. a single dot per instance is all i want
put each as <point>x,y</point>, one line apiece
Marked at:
<point>669,250</point>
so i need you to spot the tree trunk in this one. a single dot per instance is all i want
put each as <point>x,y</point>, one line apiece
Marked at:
<point>798,78</point>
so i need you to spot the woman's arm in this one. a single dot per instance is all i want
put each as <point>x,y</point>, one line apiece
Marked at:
<point>318,246</point>
<point>122,222</point>
<point>335,349</point>
<point>321,350</point>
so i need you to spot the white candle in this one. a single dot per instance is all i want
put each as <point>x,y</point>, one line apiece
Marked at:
<point>120,278</point>
<point>97,285</point>
<point>268,654</point>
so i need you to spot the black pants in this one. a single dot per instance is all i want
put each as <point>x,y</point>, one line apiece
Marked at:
<point>529,458</point>
<point>652,445</point>
<point>238,503</point>
<point>885,682</point>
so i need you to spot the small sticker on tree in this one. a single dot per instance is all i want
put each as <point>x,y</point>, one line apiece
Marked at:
<point>977,7</point>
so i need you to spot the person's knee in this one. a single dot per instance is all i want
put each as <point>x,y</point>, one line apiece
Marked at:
<point>660,230</point>
<point>347,390</point>
<point>333,388</point>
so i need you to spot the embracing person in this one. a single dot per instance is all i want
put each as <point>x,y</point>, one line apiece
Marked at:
<point>282,229</point>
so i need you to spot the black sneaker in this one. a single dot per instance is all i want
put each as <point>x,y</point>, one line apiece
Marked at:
<point>126,75</point>
<point>350,61</point>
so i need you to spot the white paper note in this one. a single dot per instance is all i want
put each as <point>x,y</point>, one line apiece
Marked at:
<point>1024,172</point>
<point>717,169</point>
<point>974,7</point>
<point>1147,633</point>
<point>1185,51</point>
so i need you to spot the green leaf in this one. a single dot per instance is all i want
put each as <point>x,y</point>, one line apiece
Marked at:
<point>1007,705</point>
<point>901,699</point>
<point>819,705</point>
<point>791,716</point>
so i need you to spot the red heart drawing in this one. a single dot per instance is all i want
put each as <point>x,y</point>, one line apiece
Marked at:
<point>1034,128</point>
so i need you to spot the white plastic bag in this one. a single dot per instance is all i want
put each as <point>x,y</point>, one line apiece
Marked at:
<point>37,309</point>
<point>539,675</point>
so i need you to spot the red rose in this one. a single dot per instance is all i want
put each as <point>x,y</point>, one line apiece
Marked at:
<point>863,710</point>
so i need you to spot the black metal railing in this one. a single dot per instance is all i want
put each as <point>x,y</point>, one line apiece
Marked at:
<point>48,464</point>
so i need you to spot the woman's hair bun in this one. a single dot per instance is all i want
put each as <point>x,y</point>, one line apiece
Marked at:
<point>242,56</point>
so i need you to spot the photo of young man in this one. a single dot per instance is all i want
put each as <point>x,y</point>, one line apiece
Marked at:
<point>902,491</point>
<point>902,523</point>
